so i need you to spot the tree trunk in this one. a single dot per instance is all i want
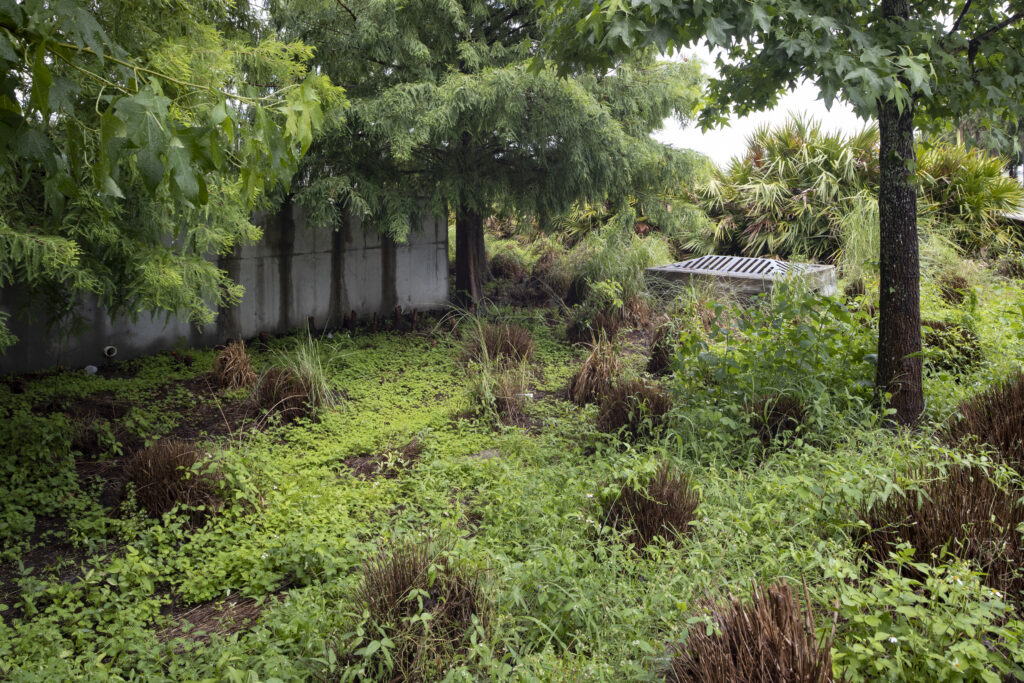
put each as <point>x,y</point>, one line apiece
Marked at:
<point>470,257</point>
<point>899,324</point>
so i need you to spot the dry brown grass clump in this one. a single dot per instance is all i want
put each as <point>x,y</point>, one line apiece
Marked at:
<point>595,377</point>
<point>232,368</point>
<point>774,416</point>
<point>283,391</point>
<point>162,478</point>
<point>953,288</point>
<point>499,342</point>
<point>408,578</point>
<point>994,417</point>
<point>635,407</point>
<point>967,512</point>
<point>950,346</point>
<point>662,350</point>
<point>587,329</point>
<point>768,639</point>
<point>665,507</point>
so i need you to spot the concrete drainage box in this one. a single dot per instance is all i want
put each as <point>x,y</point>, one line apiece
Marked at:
<point>748,276</point>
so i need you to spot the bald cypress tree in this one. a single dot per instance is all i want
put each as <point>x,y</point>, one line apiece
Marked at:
<point>445,107</point>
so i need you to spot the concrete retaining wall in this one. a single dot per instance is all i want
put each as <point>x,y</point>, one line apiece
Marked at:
<point>295,272</point>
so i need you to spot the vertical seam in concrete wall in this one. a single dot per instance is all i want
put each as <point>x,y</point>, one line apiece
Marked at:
<point>228,324</point>
<point>286,247</point>
<point>338,306</point>
<point>388,273</point>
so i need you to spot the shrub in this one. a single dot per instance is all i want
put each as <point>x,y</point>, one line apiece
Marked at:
<point>768,639</point>
<point>775,416</point>
<point>966,513</point>
<point>635,407</point>
<point>664,507</point>
<point>994,417</point>
<point>165,476</point>
<point>508,265</point>
<point>498,342</point>
<point>915,622</point>
<point>595,377</point>
<point>232,368</point>
<point>950,346</point>
<point>400,586</point>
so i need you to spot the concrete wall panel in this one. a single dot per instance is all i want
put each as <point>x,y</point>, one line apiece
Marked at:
<point>293,273</point>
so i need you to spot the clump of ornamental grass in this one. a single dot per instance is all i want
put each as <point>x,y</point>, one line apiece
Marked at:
<point>232,368</point>
<point>587,324</point>
<point>662,350</point>
<point>400,586</point>
<point>298,381</point>
<point>950,346</point>
<point>596,375</point>
<point>498,342</point>
<point>773,417</point>
<point>766,639</point>
<point>500,390</point>
<point>553,274</point>
<point>953,288</point>
<point>994,417</point>
<point>165,476</point>
<point>664,507</point>
<point>965,513</point>
<point>634,408</point>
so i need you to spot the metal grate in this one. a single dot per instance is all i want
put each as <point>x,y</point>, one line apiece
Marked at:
<point>746,273</point>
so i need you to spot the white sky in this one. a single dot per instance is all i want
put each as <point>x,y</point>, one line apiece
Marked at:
<point>724,143</point>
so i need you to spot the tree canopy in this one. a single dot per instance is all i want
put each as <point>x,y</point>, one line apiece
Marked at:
<point>445,108</point>
<point>135,138</point>
<point>890,60</point>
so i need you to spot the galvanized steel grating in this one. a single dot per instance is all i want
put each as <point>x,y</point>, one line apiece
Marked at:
<point>748,275</point>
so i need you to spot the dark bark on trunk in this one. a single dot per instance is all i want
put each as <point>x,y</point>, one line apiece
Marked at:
<point>899,324</point>
<point>470,256</point>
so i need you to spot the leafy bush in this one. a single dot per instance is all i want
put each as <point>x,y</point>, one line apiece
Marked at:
<point>950,346</point>
<point>965,513</point>
<point>664,507</point>
<point>792,343</point>
<point>231,367</point>
<point>166,475</point>
<point>994,417</point>
<point>595,377</point>
<point>420,610</point>
<point>633,407</point>
<point>768,639</point>
<point>917,622</point>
